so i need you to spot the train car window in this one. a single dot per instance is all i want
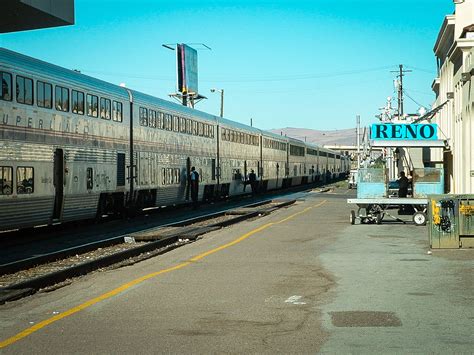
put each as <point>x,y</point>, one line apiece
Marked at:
<point>24,180</point>
<point>24,90</point>
<point>152,119</point>
<point>223,134</point>
<point>92,105</point>
<point>176,123</point>
<point>177,175</point>
<point>182,125</point>
<point>105,108</point>
<point>6,92</point>
<point>159,120</point>
<point>117,114</point>
<point>77,101</point>
<point>61,98</point>
<point>6,180</point>
<point>211,131</point>
<point>200,128</point>
<point>189,126</point>
<point>143,116</point>
<point>90,179</point>
<point>195,128</point>
<point>168,122</point>
<point>44,94</point>
<point>232,136</point>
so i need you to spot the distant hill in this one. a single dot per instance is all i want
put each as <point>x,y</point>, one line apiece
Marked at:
<point>340,136</point>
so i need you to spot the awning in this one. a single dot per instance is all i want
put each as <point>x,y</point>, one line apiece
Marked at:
<point>386,143</point>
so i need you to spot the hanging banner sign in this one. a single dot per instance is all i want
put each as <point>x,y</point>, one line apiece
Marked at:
<point>405,132</point>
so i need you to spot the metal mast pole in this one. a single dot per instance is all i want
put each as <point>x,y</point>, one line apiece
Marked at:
<point>358,141</point>
<point>222,102</point>
<point>400,89</point>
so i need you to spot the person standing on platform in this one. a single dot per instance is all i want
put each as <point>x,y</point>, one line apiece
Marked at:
<point>194,187</point>
<point>403,185</point>
<point>253,182</point>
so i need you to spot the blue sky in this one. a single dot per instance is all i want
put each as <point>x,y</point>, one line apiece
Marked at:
<point>284,63</point>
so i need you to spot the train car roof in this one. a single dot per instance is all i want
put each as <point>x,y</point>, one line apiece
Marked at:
<point>313,146</point>
<point>296,141</point>
<point>33,65</point>
<point>274,135</point>
<point>238,125</point>
<point>171,106</point>
<point>11,58</point>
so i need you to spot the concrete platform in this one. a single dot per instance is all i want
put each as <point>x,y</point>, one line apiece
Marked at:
<point>300,280</point>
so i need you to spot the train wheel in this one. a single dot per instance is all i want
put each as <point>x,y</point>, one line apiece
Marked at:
<point>419,218</point>
<point>378,218</point>
<point>353,217</point>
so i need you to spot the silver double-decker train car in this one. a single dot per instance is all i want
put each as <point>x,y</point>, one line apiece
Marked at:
<point>74,147</point>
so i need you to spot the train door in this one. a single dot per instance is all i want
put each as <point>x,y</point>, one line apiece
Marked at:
<point>58,182</point>
<point>245,170</point>
<point>188,177</point>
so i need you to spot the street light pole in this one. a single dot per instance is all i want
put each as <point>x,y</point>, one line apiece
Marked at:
<point>222,99</point>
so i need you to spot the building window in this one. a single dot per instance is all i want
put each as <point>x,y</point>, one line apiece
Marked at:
<point>105,108</point>
<point>24,180</point>
<point>6,93</point>
<point>117,111</point>
<point>44,94</point>
<point>24,90</point>
<point>61,98</point>
<point>77,102</point>
<point>6,180</point>
<point>92,105</point>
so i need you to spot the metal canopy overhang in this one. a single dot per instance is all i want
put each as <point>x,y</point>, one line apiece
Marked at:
<point>408,143</point>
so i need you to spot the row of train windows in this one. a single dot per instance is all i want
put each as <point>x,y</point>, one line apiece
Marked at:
<point>239,137</point>
<point>108,109</point>
<point>270,143</point>
<point>24,180</point>
<point>170,176</point>
<point>160,120</point>
<point>296,150</point>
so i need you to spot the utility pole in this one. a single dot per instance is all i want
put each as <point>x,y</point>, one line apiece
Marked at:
<point>358,141</point>
<point>401,74</point>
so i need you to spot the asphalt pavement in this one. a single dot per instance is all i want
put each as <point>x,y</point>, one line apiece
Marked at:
<point>301,280</point>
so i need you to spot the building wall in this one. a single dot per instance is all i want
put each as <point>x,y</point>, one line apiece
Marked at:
<point>455,55</point>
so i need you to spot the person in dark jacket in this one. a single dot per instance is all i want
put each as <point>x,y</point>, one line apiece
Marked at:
<point>194,179</point>
<point>403,185</point>
<point>253,182</point>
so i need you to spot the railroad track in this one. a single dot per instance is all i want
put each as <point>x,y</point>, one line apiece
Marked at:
<point>25,277</point>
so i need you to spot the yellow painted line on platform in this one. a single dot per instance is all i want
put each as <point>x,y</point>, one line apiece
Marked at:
<point>135,282</point>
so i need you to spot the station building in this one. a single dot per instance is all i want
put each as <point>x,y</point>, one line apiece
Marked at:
<point>454,87</point>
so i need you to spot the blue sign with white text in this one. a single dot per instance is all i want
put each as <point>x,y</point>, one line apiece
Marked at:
<point>390,131</point>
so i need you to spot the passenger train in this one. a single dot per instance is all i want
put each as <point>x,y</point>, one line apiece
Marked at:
<point>74,147</point>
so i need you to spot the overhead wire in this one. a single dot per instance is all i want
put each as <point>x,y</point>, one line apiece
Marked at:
<point>412,99</point>
<point>292,77</point>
